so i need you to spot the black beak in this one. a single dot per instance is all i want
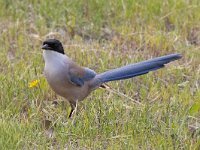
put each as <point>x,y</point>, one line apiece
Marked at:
<point>45,46</point>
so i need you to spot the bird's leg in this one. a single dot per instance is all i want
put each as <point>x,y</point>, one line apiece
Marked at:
<point>73,108</point>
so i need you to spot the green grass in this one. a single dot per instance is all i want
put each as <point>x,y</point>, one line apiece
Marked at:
<point>102,35</point>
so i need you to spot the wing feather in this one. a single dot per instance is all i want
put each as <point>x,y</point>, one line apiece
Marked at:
<point>79,75</point>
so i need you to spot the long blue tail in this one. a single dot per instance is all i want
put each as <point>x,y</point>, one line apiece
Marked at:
<point>136,69</point>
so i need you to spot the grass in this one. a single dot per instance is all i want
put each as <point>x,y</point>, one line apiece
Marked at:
<point>101,35</point>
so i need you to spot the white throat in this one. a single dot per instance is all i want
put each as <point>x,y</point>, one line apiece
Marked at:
<point>50,55</point>
<point>54,59</point>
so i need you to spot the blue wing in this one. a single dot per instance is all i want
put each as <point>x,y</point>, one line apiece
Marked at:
<point>78,78</point>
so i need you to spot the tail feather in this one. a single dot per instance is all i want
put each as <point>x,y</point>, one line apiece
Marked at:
<point>136,69</point>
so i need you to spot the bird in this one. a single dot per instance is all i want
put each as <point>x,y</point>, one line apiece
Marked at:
<point>75,83</point>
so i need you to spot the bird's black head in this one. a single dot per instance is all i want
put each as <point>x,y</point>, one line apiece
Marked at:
<point>53,45</point>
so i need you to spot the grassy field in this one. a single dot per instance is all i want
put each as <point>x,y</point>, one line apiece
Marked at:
<point>101,34</point>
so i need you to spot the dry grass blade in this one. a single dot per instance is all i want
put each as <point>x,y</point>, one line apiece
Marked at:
<point>108,88</point>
